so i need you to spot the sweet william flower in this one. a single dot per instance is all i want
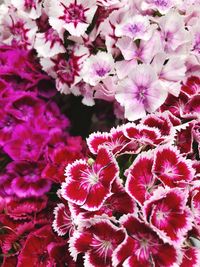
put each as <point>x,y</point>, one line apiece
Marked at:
<point>27,181</point>
<point>142,247</point>
<point>168,215</point>
<point>135,27</point>
<point>26,143</point>
<point>48,44</point>
<point>97,242</point>
<point>140,180</point>
<point>97,67</point>
<point>140,92</point>
<point>71,15</point>
<point>33,8</point>
<point>172,168</point>
<point>84,180</point>
<point>163,6</point>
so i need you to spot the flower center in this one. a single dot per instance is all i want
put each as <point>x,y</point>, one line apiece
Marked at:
<point>141,95</point>
<point>93,178</point>
<point>73,13</point>
<point>101,72</point>
<point>161,3</point>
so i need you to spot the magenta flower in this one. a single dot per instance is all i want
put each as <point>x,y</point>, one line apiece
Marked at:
<point>26,144</point>
<point>84,180</point>
<point>141,92</point>
<point>27,181</point>
<point>168,215</point>
<point>142,247</point>
<point>26,106</point>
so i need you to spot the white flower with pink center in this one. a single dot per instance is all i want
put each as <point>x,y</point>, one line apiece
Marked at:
<point>135,27</point>
<point>33,8</point>
<point>65,69</point>
<point>97,67</point>
<point>140,92</point>
<point>171,71</point>
<point>18,29</point>
<point>71,15</point>
<point>48,44</point>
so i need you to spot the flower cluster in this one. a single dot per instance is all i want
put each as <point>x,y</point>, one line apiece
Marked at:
<point>35,146</point>
<point>135,200</point>
<point>132,53</point>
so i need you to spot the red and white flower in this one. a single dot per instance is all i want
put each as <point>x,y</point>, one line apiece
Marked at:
<point>86,179</point>
<point>97,243</point>
<point>115,141</point>
<point>64,221</point>
<point>168,215</point>
<point>171,168</point>
<point>140,180</point>
<point>33,8</point>
<point>66,69</point>
<point>71,15</point>
<point>48,44</point>
<point>18,29</point>
<point>142,247</point>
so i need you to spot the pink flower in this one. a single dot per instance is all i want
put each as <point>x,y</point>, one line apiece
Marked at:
<point>71,15</point>
<point>171,71</point>
<point>97,243</point>
<point>168,215</point>
<point>27,181</point>
<point>173,33</point>
<point>135,27</point>
<point>142,247</point>
<point>163,6</point>
<point>141,92</point>
<point>141,182</point>
<point>84,180</point>
<point>171,168</point>
<point>97,67</point>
